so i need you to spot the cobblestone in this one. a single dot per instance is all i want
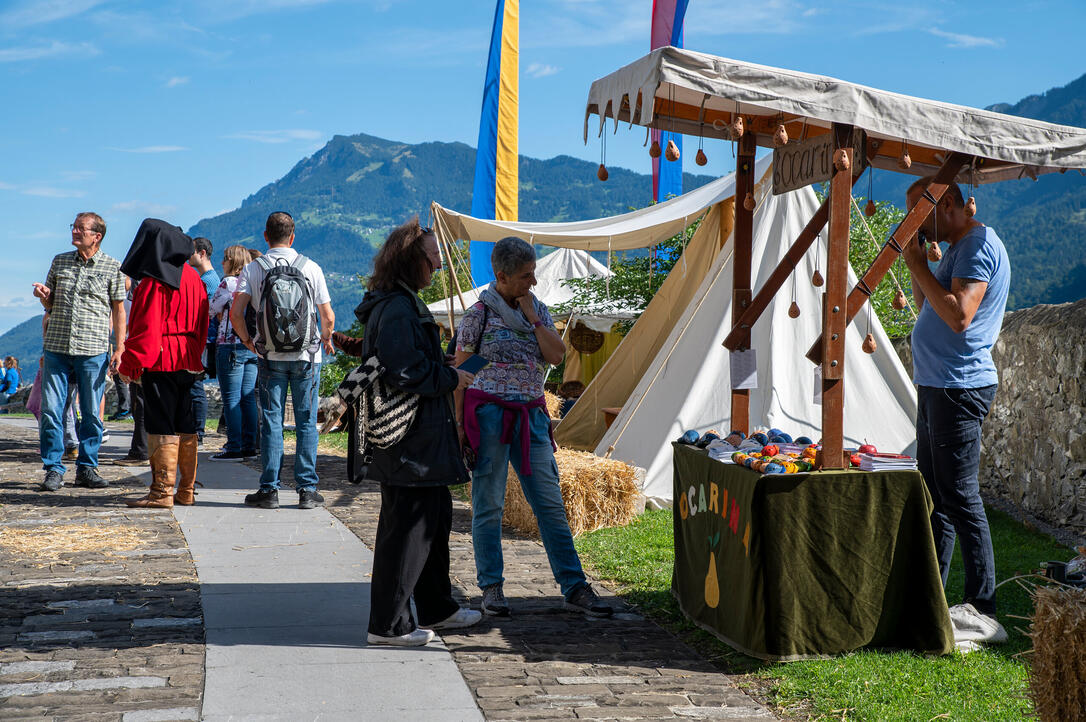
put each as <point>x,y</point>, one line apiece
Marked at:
<point>69,643</point>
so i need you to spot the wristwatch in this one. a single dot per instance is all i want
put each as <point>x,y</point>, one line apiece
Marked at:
<point>536,324</point>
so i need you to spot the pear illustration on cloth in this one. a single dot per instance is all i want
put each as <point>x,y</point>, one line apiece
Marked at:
<point>712,584</point>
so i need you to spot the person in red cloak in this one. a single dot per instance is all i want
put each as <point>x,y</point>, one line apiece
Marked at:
<point>167,329</point>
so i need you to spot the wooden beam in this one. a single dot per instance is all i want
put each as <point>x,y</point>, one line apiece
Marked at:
<point>902,236</point>
<point>833,305</point>
<point>741,328</point>
<point>741,266</point>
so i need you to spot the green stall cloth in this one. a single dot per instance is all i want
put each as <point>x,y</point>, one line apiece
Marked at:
<point>795,566</point>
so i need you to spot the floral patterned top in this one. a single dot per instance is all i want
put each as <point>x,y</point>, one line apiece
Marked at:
<point>516,365</point>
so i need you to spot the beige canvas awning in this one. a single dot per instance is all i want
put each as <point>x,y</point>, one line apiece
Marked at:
<point>699,94</point>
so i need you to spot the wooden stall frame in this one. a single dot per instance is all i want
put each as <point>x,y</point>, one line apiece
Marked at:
<point>742,261</point>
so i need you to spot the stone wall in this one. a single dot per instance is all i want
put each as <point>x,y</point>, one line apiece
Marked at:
<point>1034,454</point>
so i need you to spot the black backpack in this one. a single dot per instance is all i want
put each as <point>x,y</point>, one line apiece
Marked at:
<point>287,315</point>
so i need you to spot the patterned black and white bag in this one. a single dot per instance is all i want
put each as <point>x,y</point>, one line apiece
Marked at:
<point>382,414</point>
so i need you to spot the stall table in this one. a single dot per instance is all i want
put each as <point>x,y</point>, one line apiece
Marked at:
<point>793,566</point>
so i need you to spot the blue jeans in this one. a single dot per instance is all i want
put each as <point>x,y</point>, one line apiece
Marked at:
<point>303,380</point>
<point>89,375</point>
<point>540,489</point>
<point>199,405</point>
<point>948,429</point>
<point>237,369</point>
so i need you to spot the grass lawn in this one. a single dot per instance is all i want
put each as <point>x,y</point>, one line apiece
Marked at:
<point>985,686</point>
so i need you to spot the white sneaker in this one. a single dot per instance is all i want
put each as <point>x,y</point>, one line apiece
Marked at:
<point>105,437</point>
<point>462,617</point>
<point>972,626</point>
<point>417,638</point>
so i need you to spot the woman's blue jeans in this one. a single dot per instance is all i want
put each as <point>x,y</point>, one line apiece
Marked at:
<point>541,489</point>
<point>237,369</point>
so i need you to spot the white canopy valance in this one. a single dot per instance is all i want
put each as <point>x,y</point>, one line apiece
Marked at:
<point>684,91</point>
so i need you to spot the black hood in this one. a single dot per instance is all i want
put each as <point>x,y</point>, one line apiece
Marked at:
<point>372,299</point>
<point>158,251</point>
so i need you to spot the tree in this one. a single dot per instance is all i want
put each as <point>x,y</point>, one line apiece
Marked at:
<point>862,249</point>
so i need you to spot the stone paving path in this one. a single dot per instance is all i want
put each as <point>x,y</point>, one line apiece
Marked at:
<point>124,630</point>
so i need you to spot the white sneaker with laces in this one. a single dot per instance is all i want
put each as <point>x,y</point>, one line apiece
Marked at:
<point>972,626</point>
<point>416,638</point>
<point>462,617</point>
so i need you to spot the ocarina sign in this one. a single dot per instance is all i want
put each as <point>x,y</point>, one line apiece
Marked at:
<point>801,163</point>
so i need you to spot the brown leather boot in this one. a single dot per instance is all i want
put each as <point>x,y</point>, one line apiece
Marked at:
<point>163,473</point>
<point>186,478</point>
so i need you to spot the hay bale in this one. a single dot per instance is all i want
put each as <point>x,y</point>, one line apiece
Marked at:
<point>51,542</point>
<point>1056,676</point>
<point>598,493</point>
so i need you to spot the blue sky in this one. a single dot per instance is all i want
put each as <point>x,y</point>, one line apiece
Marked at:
<point>180,109</point>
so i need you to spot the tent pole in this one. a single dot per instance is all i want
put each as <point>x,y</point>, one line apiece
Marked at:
<point>452,276</point>
<point>834,306</point>
<point>902,236</point>
<point>741,268</point>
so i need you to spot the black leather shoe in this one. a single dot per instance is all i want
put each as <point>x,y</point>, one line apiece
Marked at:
<point>263,499</point>
<point>309,499</point>
<point>53,481</point>
<point>87,477</point>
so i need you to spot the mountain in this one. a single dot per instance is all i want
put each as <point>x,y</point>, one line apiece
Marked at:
<point>24,343</point>
<point>1042,223</point>
<point>349,194</point>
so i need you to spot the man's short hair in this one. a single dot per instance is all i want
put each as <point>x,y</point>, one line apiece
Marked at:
<point>202,244</point>
<point>279,227</point>
<point>952,190</point>
<point>97,225</point>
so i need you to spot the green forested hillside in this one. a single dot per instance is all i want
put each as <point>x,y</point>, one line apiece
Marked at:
<point>24,343</point>
<point>348,195</point>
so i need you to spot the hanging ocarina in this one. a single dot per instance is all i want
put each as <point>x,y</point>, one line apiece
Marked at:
<point>840,159</point>
<point>654,149</point>
<point>899,300</point>
<point>793,310</point>
<point>672,152</point>
<point>869,345</point>
<point>816,278</point>
<point>780,137</point>
<point>935,253</point>
<point>701,158</point>
<point>905,162</point>
<point>601,172</point>
<point>971,207</point>
<point>736,128</point>
<point>870,209</point>
<point>749,202</point>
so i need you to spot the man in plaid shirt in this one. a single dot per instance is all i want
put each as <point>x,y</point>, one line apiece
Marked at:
<point>84,295</point>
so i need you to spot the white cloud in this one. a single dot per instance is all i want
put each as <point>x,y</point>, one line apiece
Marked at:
<point>959,40</point>
<point>6,186</point>
<point>77,176</point>
<point>50,50</point>
<point>150,149</point>
<point>177,80</point>
<point>144,208</point>
<point>277,136</point>
<point>39,12</point>
<point>20,303</point>
<point>541,70</point>
<point>51,192</point>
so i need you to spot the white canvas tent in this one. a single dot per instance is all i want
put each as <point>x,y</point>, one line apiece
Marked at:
<point>550,272</point>
<point>687,385</point>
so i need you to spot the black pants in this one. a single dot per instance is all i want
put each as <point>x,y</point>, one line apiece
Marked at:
<point>411,558</point>
<point>167,402</point>
<point>138,449</point>
<point>124,394</point>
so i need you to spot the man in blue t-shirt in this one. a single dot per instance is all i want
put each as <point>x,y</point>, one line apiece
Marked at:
<point>961,312</point>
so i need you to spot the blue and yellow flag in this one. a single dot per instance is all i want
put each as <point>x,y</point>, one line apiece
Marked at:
<point>494,194</point>
<point>667,29</point>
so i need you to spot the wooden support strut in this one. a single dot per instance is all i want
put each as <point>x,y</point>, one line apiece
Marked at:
<point>899,240</point>
<point>833,305</point>
<point>741,266</point>
<point>780,274</point>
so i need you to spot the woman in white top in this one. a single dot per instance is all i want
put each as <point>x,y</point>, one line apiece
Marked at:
<point>237,366</point>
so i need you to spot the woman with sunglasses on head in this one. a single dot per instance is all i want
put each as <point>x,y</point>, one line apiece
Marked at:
<point>411,553</point>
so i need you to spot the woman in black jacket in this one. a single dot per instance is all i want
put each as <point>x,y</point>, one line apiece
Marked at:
<point>411,554</point>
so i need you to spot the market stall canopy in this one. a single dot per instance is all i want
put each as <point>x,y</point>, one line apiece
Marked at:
<point>550,272</point>
<point>637,229</point>
<point>699,94</point>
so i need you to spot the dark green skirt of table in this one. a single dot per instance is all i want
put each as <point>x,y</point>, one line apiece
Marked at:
<point>794,566</point>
